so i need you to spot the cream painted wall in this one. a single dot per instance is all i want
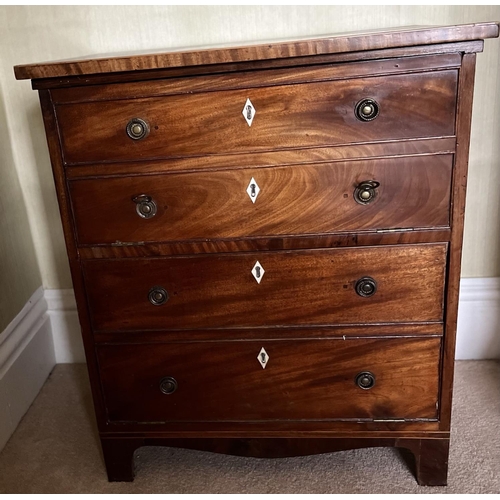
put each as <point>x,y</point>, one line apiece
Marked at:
<point>19,272</point>
<point>36,34</point>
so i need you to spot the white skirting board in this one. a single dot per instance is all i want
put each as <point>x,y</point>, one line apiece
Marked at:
<point>478,332</point>
<point>26,360</point>
<point>478,335</point>
<point>68,343</point>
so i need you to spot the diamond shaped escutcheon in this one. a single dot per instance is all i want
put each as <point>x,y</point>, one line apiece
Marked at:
<point>263,357</point>
<point>249,112</point>
<point>258,271</point>
<point>253,190</point>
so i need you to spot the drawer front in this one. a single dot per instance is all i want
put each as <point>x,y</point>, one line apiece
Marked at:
<point>322,198</point>
<point>289,116</point>
<point>268,288</point>
<point>316,379</point>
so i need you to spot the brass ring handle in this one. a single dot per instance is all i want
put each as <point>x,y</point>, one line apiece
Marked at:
<point>157,295</point>
<point>366,287</point>
<point>366,110</point>
<point>145,206</point>
<point>365,192</point>
<point>137,129</point>
<point>365,380</point>
<point>168,385</point>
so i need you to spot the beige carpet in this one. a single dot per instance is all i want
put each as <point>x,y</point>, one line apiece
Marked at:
<point>56,450</point>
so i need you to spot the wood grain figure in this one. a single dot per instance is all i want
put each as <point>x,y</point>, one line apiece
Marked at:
<point>286,117</point>
<point>313,199</point>
<point>295,288</point>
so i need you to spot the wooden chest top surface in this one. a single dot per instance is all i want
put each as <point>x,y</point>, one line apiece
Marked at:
<point>333,44</point>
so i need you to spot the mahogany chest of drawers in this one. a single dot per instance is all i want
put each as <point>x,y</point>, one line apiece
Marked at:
<point>265,242</point>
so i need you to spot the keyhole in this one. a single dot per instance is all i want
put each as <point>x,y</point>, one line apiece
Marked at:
<point>257,271</point>
<point>252,190</point>
<point>249,112</point>
<point>263,357</point>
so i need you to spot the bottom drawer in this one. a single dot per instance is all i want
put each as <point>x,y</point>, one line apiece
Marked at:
<point>301,379</point>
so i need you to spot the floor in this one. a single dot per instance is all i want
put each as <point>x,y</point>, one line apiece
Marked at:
<point>56,450</point>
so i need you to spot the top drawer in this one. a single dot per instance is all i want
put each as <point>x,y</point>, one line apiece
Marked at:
<point>282,117</point>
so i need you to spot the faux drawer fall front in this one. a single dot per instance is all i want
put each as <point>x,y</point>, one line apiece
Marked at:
<point>402,283</point>
<point>260,119</point>
<point>314,379</point>
<point>322,198</point>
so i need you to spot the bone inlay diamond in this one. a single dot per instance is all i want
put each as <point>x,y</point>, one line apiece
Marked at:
<point>253,190</point>
<point>263,357</point>
<point>258,271</point>
<point>249,112</point>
